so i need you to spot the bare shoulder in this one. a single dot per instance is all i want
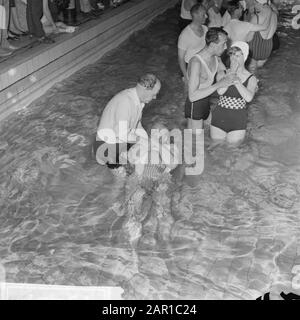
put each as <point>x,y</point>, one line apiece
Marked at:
<point>266,10</point>
<point>252,80</point>
<point>194,61</point>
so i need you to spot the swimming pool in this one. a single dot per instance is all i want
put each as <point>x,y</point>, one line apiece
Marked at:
<point>233,234</point>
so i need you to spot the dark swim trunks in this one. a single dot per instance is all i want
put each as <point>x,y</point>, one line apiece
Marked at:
<point>259,48</point>
<point>197,110</point>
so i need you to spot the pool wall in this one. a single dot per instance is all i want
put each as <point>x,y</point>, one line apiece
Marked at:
<point>27,76</point>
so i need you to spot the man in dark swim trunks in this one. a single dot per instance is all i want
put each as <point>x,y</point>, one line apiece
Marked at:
<point>202,70</point>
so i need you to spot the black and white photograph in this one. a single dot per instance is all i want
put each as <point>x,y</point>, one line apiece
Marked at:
<point>149,151</point>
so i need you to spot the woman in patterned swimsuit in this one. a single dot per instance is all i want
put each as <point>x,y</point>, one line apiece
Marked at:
<point>229,119</point>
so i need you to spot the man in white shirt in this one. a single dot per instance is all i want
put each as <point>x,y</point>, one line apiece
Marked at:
<point>120,124</point>
<point>192,38</point>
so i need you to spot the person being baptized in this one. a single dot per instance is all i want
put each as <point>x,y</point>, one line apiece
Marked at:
<point>153,161</point>
<point>156,157</point>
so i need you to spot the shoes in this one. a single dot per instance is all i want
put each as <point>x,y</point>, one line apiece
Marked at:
<point>96,12</point>
<point>101,6</point>
<point>46,40</point>
<point>5,52</point>
<point>11,47</point>
<point>24,33</point>
<point>115,3</point>
<point>13,38</point>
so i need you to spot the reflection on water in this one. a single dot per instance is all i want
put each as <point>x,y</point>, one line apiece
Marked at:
<point>232,234</point>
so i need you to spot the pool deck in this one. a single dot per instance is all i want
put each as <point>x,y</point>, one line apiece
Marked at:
<point>25,77</point>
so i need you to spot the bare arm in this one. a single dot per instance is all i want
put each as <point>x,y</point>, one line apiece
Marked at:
<point>262,26</point>
<point>194,82</point>
<point>181,61</point>
<point>247,92</point>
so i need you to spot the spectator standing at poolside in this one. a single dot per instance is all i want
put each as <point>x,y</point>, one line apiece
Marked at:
<point>16,28</point>
<point>5,47</point>
<point>50,22</point>
<point>34,15</point>
<point>192,38</point>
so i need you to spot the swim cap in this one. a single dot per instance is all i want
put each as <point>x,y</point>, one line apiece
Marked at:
<point>243,46</point>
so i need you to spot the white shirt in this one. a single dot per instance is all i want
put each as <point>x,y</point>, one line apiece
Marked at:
<point>121,117</point>
<point>190,42</point>
<point>238,30</point>
<point>226,18</point>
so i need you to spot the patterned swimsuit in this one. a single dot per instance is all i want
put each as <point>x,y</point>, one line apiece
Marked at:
<point>231,113</point>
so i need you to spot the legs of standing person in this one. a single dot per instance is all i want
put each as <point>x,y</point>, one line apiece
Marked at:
<point>252,66</point>
<point>217,134</point>
<point>3,29</point>
<point>4,43</point>
<point>21,14</point>
<point>34,14</point>
<point>233,138</point>
<point>228,125</point>
<point>260,63</point>
<point>196,113</point>
<point>256,64</point>
<point>4,23</point>
<point>14,23</point>
<point>194,125</point>
<point>236,137</point>
<point>261,50</point>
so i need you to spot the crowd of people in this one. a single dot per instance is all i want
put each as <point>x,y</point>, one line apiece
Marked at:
<point>38,19</point>
<point>220,47</point>
<point>247,29</point>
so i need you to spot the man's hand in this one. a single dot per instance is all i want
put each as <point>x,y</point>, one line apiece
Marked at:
<point>227,81</point>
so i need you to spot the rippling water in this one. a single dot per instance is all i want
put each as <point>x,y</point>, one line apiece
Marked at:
<point>231,234</point>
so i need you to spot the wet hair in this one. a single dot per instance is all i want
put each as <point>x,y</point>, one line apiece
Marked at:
<point>148,81</point>
<point>195,8</point>
<point>212,35</point>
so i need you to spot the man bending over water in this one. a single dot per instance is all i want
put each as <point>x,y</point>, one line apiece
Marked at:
<point>120,124</point>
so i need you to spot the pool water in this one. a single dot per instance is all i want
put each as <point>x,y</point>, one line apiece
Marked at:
<point>230,233</point>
